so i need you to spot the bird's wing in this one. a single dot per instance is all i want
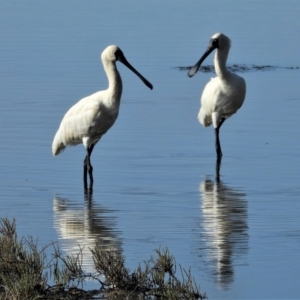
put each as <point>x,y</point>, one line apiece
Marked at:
<point>218,97</point>
<point>80,119</point>
<point>210,96</point>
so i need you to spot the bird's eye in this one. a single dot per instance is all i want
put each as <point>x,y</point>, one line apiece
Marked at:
<point>118,53</point>
<point>215,42</point>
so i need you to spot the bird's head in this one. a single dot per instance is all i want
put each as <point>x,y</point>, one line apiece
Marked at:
<point>218,41</point>
<point>113,53</point>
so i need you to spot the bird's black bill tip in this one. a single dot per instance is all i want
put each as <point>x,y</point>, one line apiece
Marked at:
<point>123,60</point>
<point>149,85</point>
<point>145,81</point>
<point>193,70</point>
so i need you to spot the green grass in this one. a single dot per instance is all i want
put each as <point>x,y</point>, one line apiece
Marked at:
<point>26,273</point>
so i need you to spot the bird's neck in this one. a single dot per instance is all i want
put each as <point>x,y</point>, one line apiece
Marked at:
<point>220,63</point>
<point>114,80</point>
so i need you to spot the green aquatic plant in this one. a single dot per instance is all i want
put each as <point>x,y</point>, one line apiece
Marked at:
<point>25,273</point>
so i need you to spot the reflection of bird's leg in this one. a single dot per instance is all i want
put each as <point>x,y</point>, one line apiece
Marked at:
<point>218,144</point>
<point>87,166</point>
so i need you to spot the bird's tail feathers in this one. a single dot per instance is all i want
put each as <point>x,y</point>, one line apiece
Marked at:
<point>57,145</point>
<point>203,118</point>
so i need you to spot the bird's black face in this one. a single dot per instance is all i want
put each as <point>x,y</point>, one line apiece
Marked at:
<point>119,55</point>
<point>214,43</point>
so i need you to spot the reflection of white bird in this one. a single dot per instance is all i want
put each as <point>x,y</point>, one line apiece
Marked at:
<point>224,221</point>
<point>224,94</point>
<point>84,227</point>
<point>91,117</point>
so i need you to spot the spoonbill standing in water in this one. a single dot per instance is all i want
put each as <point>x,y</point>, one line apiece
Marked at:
<point>224,94</point>
<point>91,117</point>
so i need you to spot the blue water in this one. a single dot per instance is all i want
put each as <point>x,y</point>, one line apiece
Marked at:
<point>155,169</point>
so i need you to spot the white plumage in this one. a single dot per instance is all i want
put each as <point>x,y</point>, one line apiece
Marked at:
<point>86,122</point>
<point>91,117</point>
<point>222,95</point>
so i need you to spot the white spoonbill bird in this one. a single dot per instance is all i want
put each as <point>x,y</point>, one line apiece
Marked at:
<point>91,117</point>
<point>222,95</point>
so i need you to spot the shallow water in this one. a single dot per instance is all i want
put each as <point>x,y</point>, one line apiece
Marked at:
<point>154,171</point>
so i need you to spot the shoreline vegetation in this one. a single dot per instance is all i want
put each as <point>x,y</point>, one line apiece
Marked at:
<point>26,273</point>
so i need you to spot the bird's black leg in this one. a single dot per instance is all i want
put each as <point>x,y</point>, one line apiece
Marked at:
<point>221,122</point>
<point>218,168</point>
<point>218,144</point>
<point>87,167</point>
<point>88,162</point>
<point>88,194</point>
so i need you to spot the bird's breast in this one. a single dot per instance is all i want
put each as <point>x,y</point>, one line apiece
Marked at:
<point>103,119</point>
<point>224,96</point>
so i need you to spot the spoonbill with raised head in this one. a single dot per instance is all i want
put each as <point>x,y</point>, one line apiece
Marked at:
<point>91,117</point>
<point>222,95</point>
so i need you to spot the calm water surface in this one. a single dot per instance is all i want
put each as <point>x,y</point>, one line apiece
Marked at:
<point>154,171</point>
